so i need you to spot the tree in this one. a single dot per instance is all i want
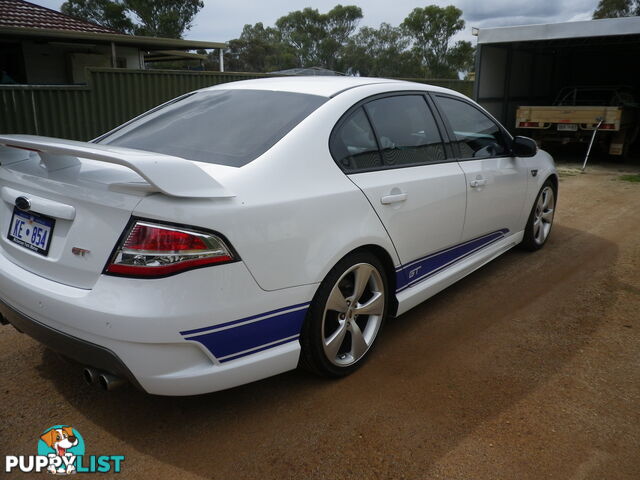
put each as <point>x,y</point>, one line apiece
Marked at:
<point>462,58</point>
<point>164,18</point>
<point>431,29</point>
<point>318,38</point>
<point>617,8</point>
<point>258,49</point>
<point>380,52</point>
<point>103,12</point>
<point>422,46</point>
<point>157,18</point>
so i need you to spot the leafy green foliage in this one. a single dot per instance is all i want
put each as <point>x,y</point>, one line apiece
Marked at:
<point>431,29</point>
<point>461,57</point>
<point>258,49</point>
<point>156,18</point>
<point>103,12</point>
<point>317,38</point>
<point>164,18</point>
<point>616,8</point>
<point>420,47</point>
<point>381,52</point>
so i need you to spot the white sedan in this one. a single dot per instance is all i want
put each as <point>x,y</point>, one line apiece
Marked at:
<point>243,230</point>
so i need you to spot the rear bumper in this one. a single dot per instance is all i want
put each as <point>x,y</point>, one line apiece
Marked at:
<point>81,351</point>
<point>166,335</point>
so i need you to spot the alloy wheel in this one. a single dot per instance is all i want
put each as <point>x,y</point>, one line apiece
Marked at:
<point>543,216</point>
<point>353,315</point>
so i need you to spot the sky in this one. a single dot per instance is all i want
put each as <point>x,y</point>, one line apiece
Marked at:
<point>222,20</point>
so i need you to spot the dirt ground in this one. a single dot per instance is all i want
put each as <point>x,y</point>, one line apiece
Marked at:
<point>527,369</point>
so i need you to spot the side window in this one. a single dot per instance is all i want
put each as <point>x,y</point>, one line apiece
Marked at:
<point>476,134</point>
<point>406,130</point>
<point>354,145</point>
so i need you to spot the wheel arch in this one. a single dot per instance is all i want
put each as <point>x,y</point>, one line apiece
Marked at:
<point>528,242</point>
<point>386,259</point>
<point>554,180</point>
<point>390,271</point>
<point>312,357</point>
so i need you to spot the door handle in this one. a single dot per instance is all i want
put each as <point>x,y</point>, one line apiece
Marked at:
<point>393,198</point>
<point>478,183</point>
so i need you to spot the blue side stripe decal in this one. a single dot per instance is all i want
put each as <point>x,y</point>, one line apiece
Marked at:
<point>423,268</point>
<point>258,349</point>
<point>246,336</point>
<point>203,329</point>
<point>235,339</point>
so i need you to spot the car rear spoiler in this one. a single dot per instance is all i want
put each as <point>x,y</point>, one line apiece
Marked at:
<point>170,175</point>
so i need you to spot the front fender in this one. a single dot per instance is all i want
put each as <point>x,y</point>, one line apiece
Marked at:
<point>543,166</point>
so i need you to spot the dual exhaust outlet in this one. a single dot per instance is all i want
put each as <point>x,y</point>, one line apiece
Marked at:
<point>104,380</point>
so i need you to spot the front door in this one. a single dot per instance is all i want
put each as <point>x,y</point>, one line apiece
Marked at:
<point>496,182</point>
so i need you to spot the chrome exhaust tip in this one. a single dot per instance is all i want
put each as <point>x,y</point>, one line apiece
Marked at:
<point>90,375</point>
<point>110,382</point>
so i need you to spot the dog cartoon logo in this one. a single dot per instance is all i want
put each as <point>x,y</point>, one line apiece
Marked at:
<point>64,442</point>
<point>61,451</point>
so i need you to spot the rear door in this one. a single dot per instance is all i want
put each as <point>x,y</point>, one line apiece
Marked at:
<point>392,149</point>
<point>496,182</point>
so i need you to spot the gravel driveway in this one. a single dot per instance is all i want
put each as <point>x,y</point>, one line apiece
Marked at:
<point>527,369</point>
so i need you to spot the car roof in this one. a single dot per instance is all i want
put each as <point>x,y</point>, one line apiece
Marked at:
<point>320,85</point>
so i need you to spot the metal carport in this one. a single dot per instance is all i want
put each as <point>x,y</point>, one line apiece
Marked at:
<point>528,65</point>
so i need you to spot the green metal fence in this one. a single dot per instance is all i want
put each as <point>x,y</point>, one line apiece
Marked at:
<point>111,97</point>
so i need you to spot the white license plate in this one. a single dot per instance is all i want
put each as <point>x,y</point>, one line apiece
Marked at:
<point>567,127</point>
<point>32,231</point>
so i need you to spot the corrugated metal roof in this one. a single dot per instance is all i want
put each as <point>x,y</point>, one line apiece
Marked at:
<point>18,13</point>
<point>608,27</point>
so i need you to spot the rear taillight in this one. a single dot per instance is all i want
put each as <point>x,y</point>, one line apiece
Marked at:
<point>529,125</point>
<point>156,250</point>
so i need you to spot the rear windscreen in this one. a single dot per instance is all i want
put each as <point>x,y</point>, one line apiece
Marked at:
<point>227,127</point>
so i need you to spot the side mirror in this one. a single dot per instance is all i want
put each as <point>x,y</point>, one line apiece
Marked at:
<point>524,147</point>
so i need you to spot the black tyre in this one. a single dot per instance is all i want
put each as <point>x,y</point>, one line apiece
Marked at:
<point>345,316</point>
<point>540,219</point>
